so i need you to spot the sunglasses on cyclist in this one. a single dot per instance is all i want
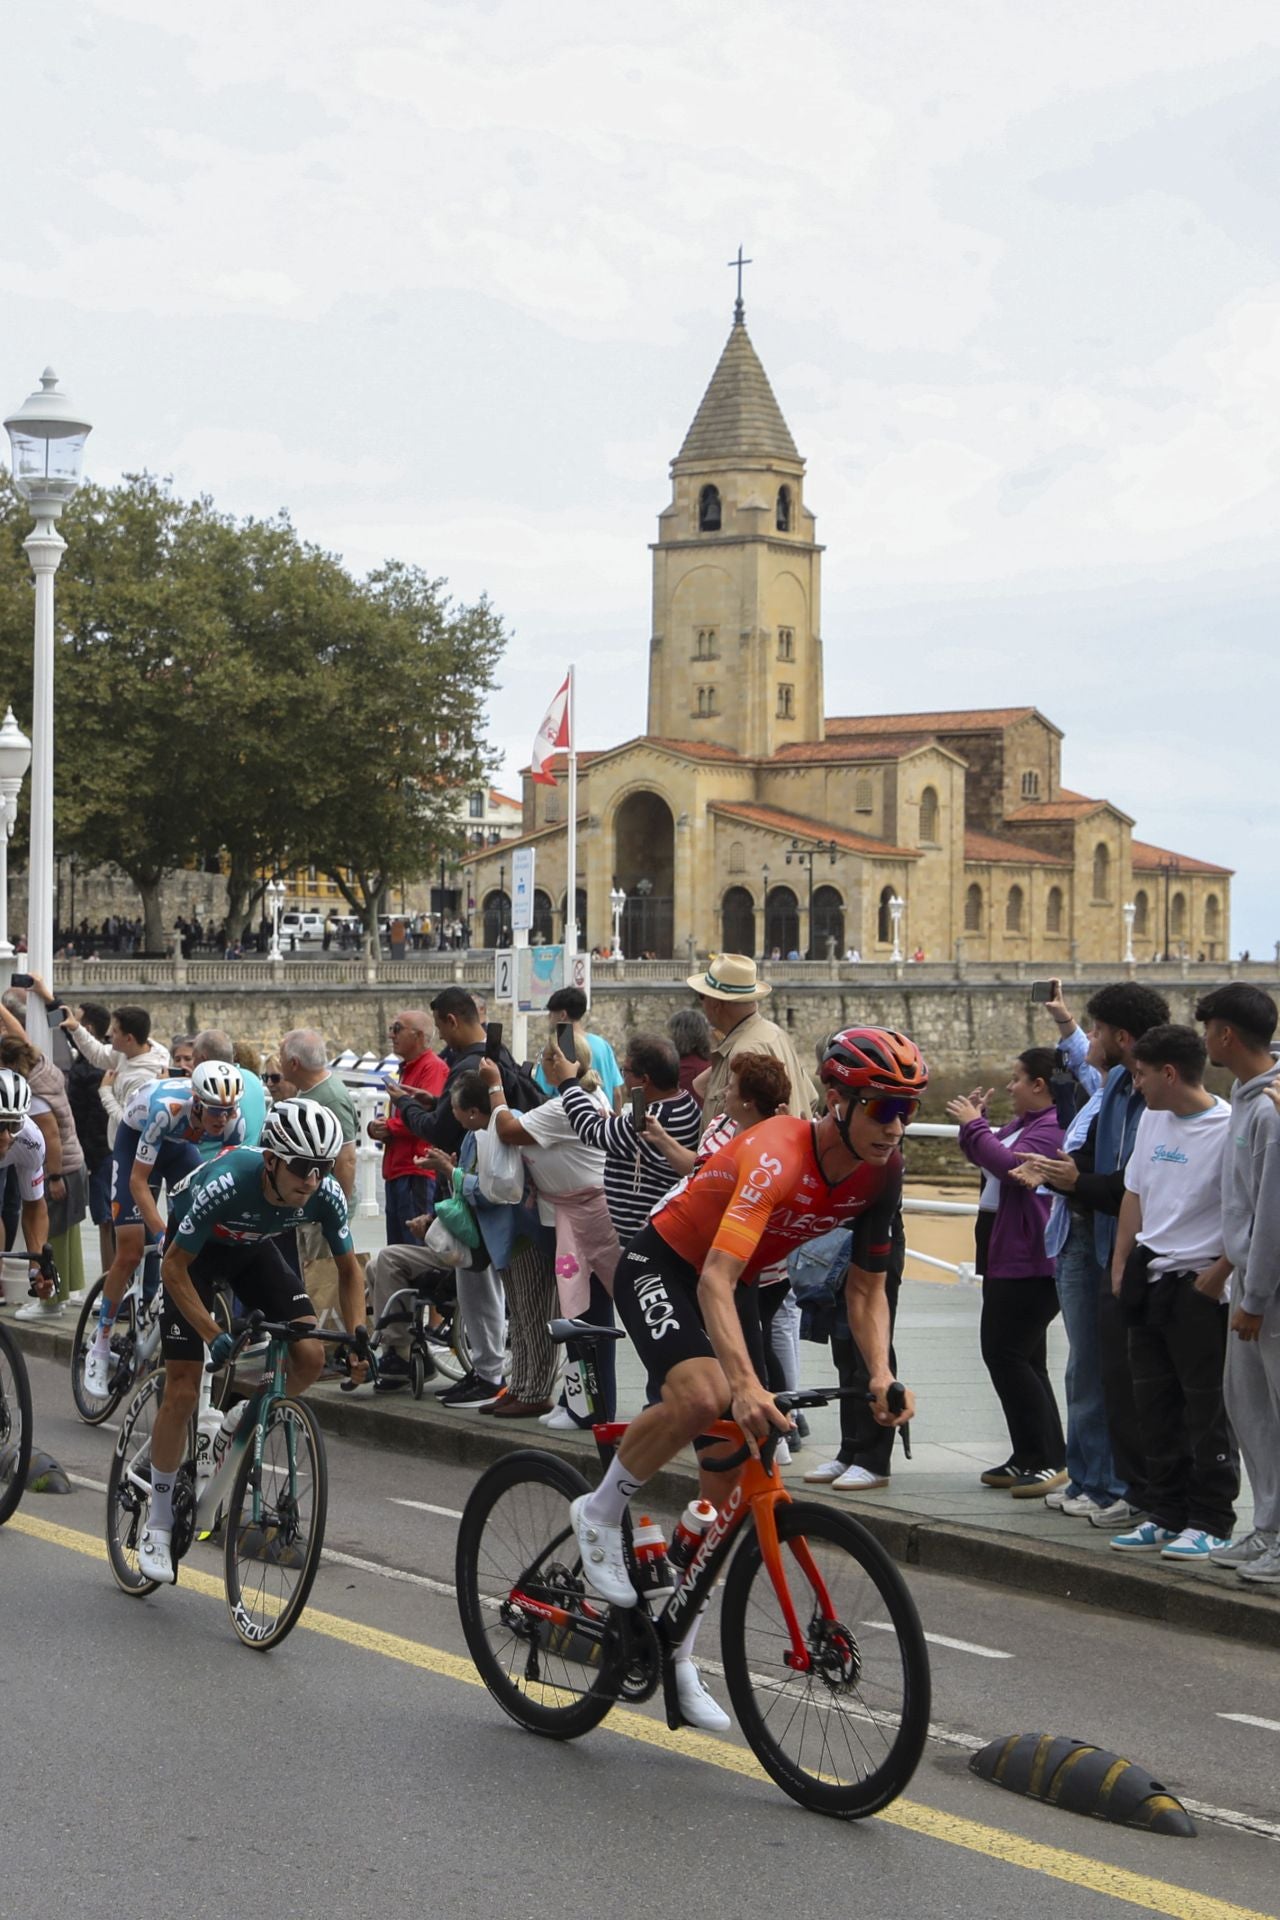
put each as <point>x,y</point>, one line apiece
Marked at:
<point>11,1126</point>
<point>216,1113</point>
<point>885,1108</point>
<point>303,1169</point>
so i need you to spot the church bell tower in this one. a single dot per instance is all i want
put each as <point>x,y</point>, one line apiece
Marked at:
<point>735,658</point>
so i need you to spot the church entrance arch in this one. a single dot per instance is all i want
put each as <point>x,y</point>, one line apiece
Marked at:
<point>781,922</point>
<point>738,921</point>
<point>828,923</point>
<point>644,866</point>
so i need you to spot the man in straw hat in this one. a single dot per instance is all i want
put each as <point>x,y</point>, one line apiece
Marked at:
<point>731,994</point>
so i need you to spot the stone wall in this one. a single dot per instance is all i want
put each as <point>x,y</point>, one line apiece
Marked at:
<point>970,1031</point>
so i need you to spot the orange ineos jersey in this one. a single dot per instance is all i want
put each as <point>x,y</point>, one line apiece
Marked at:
<point>764,1194</point>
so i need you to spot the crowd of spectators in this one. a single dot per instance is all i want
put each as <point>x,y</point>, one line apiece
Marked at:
<point>1119,1193</point>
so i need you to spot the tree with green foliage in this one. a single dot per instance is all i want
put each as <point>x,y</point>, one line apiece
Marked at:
<point>223,686</point>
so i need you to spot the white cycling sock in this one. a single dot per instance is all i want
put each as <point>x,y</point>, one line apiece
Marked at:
<point>608,1503</point>
<point>160,1519</point>
<point>685,1650</point>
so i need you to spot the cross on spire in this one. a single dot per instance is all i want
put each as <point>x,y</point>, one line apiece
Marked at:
<point>739,311</point>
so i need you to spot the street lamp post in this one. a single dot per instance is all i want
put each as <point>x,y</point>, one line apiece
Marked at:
<point>764,912</point>
<point>46,442</point>
<point>440,940</point>
<point>897,908</point>
<point>502,895</point>
<point>275,892</point>
<point>805,857</point>
<point>1129,910</point>
<point>617,901</point>
<point>15,758</point>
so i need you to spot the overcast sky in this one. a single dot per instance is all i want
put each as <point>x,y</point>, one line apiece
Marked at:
<point>447,282</point>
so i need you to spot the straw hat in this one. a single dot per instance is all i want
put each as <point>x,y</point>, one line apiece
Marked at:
<point>730,976</point>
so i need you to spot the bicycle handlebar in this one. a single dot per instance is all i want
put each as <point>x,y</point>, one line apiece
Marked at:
<point>896,1398</point>
<point>257,1326</point>
<point>43,1262</point>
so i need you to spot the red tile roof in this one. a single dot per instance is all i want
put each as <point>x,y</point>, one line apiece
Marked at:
<point>888,746</point>
<point>503,799</point>
<point>959,720</point>
<point>988,847</point>
<point>801,827</point>
<point>1068,806</point>
<point>1148,859</point>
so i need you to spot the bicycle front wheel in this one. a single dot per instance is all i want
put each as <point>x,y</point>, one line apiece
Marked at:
<point>129,1486</point>
<point>95,1408</point>
<point>534,1632</point>
<point>845,1737</point>
<point>271,1561</point>
<point>15,1424</point>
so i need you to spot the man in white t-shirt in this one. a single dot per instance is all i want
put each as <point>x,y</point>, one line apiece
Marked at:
<point>1170,1272</point>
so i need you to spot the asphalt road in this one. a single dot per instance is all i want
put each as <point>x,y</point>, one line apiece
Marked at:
<point>150,1764</point>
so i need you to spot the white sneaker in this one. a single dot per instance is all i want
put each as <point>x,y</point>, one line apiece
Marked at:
<point>78,1298</point>
<point>97,1373</point>
<point>696,1704</point>
<point>604,1558</point>
<point>829,1470</point>
<point>1081,1506</point>
<point>40,1310</point>
<point>859,1480</point>
<point>1058,1498</point>
<point>782,1454</point>
<point>155,1561</point>
<point>560,1420</point>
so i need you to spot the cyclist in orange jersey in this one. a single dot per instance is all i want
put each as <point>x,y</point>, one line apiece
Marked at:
<point>684,1287</point>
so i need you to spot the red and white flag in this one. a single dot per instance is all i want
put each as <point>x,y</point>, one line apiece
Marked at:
<point>552,736</point>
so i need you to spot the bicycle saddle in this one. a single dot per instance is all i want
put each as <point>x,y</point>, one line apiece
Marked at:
<point>562,1330</point>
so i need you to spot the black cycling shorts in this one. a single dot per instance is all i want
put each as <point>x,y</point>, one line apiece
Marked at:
<point>258,1274</point>
<point>656,1294</point>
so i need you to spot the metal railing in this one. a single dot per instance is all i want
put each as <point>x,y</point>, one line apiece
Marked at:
<point>963,1270</point>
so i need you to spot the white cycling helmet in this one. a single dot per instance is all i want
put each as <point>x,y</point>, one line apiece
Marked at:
<point>302,1130</point>
<point>216,1084</point>
<point>15,1095</point>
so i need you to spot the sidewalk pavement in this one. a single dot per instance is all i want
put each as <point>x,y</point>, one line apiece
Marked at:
<point>934,1514</point>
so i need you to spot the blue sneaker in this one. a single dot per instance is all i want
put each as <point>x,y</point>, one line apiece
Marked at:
<point>1149,1537</point>
<point>1193,1544</point>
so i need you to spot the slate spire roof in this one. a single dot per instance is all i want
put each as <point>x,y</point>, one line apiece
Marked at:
<point>739,415</point>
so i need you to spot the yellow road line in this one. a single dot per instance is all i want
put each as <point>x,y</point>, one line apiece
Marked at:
<point>1096,1876</point>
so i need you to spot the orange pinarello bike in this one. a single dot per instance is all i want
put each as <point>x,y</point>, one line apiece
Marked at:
<point>822,1649</point>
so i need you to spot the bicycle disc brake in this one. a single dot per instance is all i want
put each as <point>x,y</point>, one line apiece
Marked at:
<point>835,1653</point>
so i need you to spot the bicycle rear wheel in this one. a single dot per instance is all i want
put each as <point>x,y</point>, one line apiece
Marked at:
<point>532,1629</point>
<point>845,1737</point>
<point>94,1408</point>
<point>271,1563</point>
<point>126,1499</point>
<point>15,1424</point>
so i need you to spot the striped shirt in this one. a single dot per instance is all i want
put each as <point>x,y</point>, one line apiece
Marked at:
<point>636,1174</point>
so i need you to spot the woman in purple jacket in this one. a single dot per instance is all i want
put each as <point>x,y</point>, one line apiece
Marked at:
<point>1019,1298</point>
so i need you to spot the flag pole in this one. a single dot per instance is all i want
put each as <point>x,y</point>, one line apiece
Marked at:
<point>571,890</point>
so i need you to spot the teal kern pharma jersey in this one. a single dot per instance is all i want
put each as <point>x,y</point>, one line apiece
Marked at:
<point>223,1204</point>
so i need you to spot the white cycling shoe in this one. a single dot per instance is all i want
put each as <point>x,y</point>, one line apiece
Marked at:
<point>604,1559</point>
<point>155,1557</point>
<point>696,1704</point>
<point>97,1373</point>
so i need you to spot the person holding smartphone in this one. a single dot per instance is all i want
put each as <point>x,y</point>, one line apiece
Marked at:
<point>408,1190</point>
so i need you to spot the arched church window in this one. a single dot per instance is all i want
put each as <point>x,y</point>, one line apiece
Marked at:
<point>1102,871</point>
<point>1031,785</point>
<point>929,817</point>
<point>786,643</point>
<point>737,864</point>
<point>786,703</point>
<point>1013,911</point>
<point>864,797</point>
<point>1053,911</point>
<point>1178,916</point>
<point>1141,913</point>
<point>709,510</point>
<point>973,909</point>
<point>884,919</point>
<point>705,647</point>
<point>783,516</point>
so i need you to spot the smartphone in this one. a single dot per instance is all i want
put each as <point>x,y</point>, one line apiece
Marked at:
<point>57,1016</point>
<point>492,1039</point>
<point>1043,991</point>
<point>22,980</point>
<point>638,1108</point>
<point>567,1040</point>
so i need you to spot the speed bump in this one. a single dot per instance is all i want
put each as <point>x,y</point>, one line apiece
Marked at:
<point>1082,1779</point>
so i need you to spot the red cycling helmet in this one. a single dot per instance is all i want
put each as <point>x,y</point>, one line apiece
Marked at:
<point>874,1060</point>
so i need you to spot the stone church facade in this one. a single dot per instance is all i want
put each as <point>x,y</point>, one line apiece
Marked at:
<point>745,818</point>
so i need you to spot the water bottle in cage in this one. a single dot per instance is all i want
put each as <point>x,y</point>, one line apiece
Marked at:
<point>653,1568</point>
<point>208,1428</point>
<point>688,1536</point>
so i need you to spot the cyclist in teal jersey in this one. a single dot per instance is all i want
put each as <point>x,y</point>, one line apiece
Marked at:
<point>223,1225</point>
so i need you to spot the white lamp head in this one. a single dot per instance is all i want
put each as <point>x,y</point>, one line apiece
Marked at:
<point>46,441</point>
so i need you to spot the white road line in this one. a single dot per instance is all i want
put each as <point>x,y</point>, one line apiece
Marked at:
<point>425,1506</point>
<point>1252,1720</point>
<point>942,1640</point>
<point>391,1573</point>
<point>81,1480</point>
